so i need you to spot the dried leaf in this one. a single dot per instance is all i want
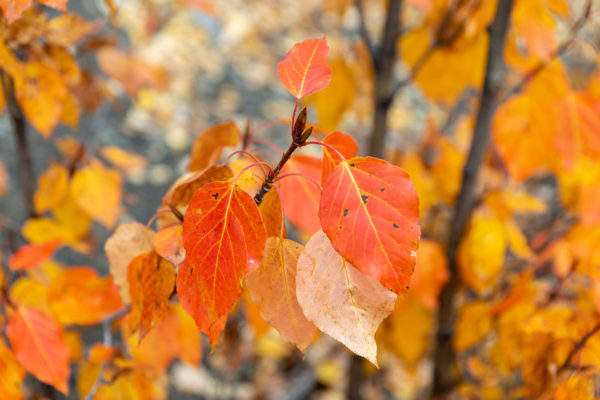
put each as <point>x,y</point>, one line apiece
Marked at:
<point>128,241</point>
<point>208,145</point>
<point>339,299</point>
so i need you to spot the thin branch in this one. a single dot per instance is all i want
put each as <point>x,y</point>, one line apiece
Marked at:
<point>578,346</point>
<point>299,138</point>
<point>23,151</point>
<point>445,376</point>
<point>366,37</point>
<point>106,341</point>
<point>559,51</point>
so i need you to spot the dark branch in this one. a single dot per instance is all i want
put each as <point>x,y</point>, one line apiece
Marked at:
<point>445,376</point>
<point>366,37</point>
<point>26,175</point>
<point>578,346</point>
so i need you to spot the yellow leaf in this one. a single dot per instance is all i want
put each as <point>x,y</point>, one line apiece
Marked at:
<point>333,101</point>
<point>473,324</point>
<point>481,252</point>
<point>97,190</point>
<point>124,160</point>
<point>52,188</point>
<point>41,96</point>
<point>574,388</point>
<point>11,374</point>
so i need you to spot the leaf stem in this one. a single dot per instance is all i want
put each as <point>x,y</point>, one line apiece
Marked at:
<point>336,151</point>
<point>578,346</point>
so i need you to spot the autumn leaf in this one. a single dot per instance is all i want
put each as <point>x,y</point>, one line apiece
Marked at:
<point>300,194</point>
<point>207,147</point>
<point>272,214</point>
<point>151,281</point>
<point>130,71</point>
<point>224,238</point>
<point>32,255</point>
<point>80,296</point>
<point>128,162</point>
<point>4,178</point>
<point>304,69</point>
<point>574,388</point>
<point>38,344</point>
<point>431,273</point>
<point>11,374</point>
<point>343,143</point>
<point>168,243</point>
<point>41,95</point>
<point>52,188</point>
<point>339,299</point>
<point>128,241</point>
<point>473,324</point>
<point>181,192</point>
<point>369,209</point>
<point>67,29</point>
<point>12,9</point>
<point>332,102</point>
<point>272,287</point>
<point>98,192</point>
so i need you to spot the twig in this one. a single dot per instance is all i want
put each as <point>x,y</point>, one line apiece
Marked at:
<point>23,151</point>
<point>299,137</point>
<point>578,346</point>
<point>445,376</point>
<point>106,341</point>
<point>366,37</point>
<point>573,32</point>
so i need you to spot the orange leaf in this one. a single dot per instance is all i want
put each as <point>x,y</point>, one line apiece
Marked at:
<point>208,145</point>
<point>128,241</point>
<point>130,71</point>
<point>67,29</point>
<point>12,9</point>
<point>168,243</point>
<point>370,211</point>
<point>151,281</point>
<point>343,143</point>
<point>300,196</point>
<point>224,238</point>
<point>11,374</point>
<point>574,388</point>
<point>272,287</point>
<point>38,344</point>
<point>272,214</point>
<point>431,273</point>
<point>182,191</point>
<point>32,255</point>
<point>80,296</point>
<point>98,191</point>
<point>304,69</point>
<point>124,160</point>
<point>339,299</point>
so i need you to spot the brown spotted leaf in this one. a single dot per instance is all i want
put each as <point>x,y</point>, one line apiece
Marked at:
<point>151,281</point>
<point>369,209</point>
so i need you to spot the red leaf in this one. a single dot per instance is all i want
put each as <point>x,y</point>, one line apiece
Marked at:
<point>38,344</point>
<point>224,238</point>
<point>343,143</point>
<point>304,69</point>
<point>370,211</point>
<point>32,255</point>
<point>339,299</point>
<point>272,288</point>
<point>301,196</point>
